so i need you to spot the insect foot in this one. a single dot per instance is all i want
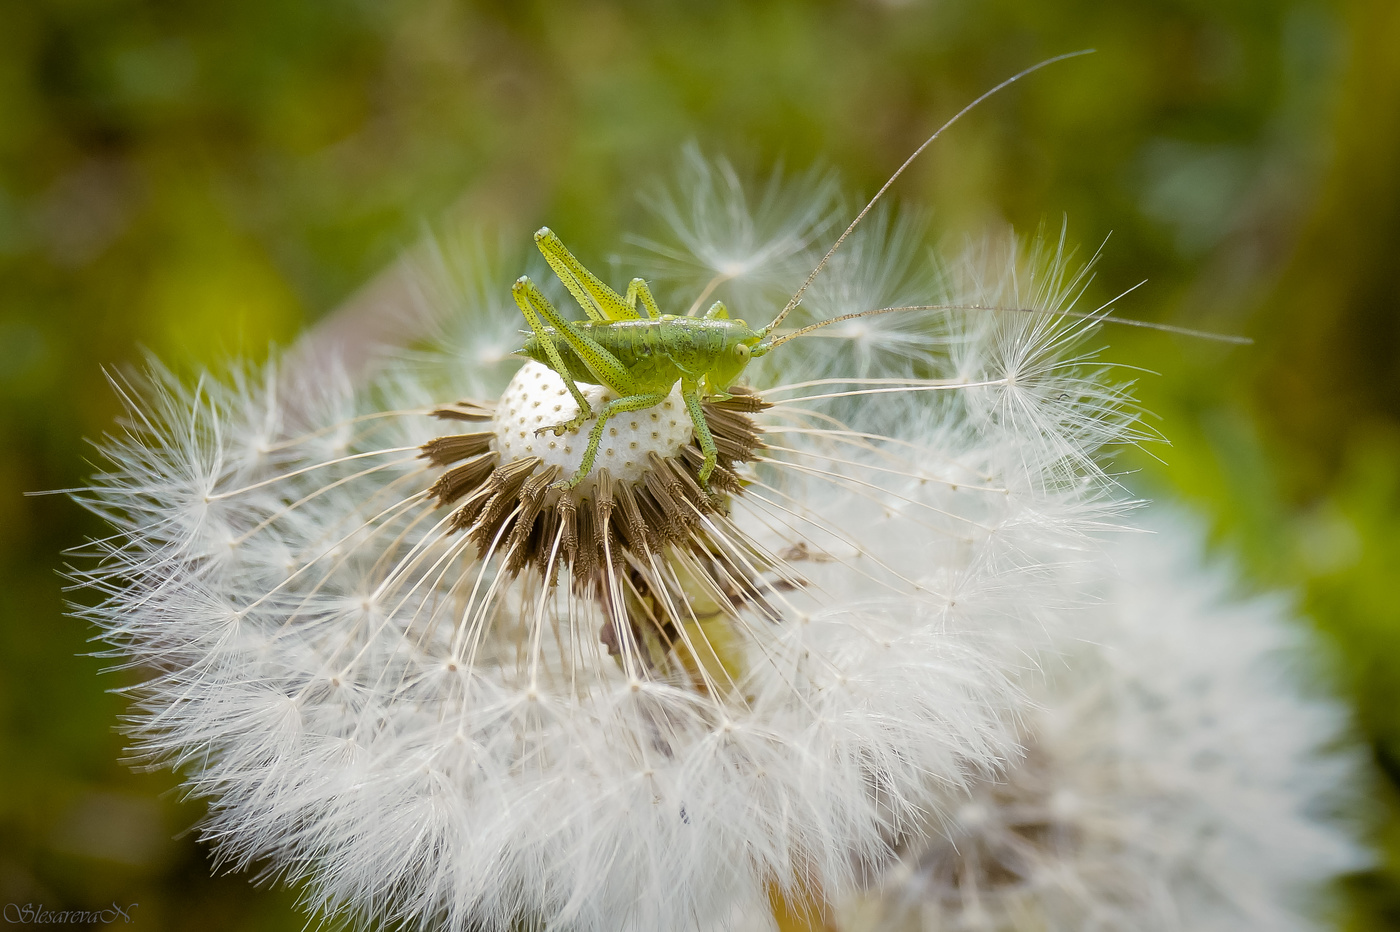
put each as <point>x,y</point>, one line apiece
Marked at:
<point>571,426</point>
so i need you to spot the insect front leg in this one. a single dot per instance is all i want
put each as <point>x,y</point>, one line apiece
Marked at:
<point>537,310</point>
<point>595,436</point>
<point>691,395</point>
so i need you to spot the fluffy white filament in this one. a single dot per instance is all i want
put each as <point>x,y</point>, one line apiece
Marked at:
<point>374,706</point>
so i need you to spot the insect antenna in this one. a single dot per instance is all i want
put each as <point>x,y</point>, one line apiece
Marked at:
<point>797,297</point>
<point>1078,315</point>
<point>1101,315</point>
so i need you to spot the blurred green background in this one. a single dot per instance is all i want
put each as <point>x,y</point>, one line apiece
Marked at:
<point>205,179</point>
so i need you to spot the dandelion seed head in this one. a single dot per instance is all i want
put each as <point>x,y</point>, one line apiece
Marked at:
<point>1177,776</point>
<point>409,672</point>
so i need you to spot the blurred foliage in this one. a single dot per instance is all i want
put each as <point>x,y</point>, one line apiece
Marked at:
<point>202,180</point>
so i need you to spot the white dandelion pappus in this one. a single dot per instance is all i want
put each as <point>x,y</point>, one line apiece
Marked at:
<point>407,672</point>
<point>371,702</point>
<point>1178,776</point>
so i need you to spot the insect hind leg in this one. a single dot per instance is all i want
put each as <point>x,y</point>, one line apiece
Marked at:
<point>598,301</point>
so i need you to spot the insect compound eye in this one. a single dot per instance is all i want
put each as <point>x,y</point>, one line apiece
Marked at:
<point>741,350</point>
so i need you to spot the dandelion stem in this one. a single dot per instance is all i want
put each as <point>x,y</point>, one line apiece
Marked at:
<point>798,910</point>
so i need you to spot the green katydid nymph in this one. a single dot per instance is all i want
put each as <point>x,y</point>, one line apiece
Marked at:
<point>629,346</point>
<point>641,358</point>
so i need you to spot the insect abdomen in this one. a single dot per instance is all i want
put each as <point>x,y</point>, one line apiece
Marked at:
<point>688,341</point>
